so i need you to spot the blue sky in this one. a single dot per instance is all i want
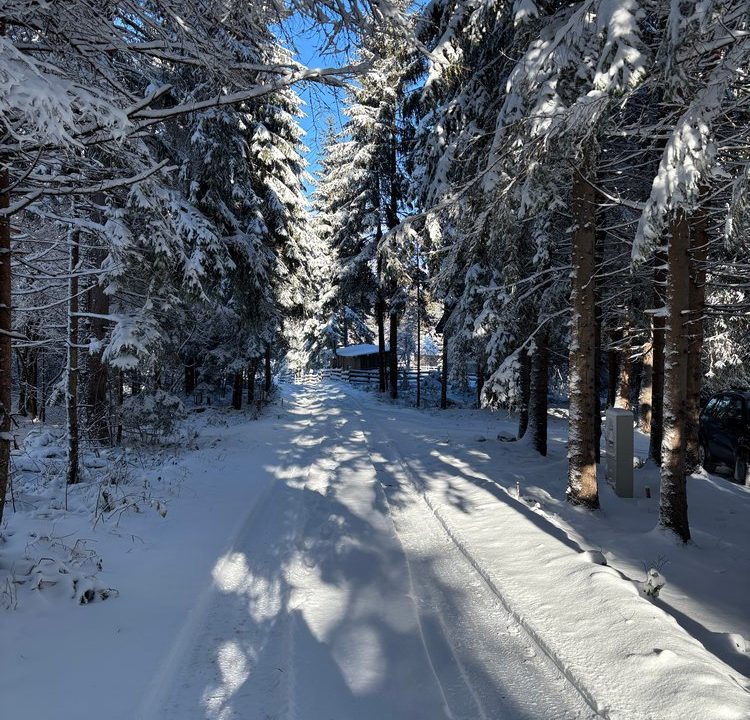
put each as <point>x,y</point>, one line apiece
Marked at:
<point>320,102</point>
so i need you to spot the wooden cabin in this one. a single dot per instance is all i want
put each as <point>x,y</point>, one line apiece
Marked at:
<point>359,357</point>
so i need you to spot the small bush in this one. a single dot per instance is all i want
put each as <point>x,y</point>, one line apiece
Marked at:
<point>152,415</point>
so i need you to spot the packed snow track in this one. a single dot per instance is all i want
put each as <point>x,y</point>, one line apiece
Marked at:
<point>344,598</point>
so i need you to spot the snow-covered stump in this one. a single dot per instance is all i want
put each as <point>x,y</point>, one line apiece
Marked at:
<point>619,439</point>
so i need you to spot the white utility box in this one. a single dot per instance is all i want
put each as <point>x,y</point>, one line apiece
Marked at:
<point>619,440</point>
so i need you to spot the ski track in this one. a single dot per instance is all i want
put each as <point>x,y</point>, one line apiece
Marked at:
<point>344,597</point>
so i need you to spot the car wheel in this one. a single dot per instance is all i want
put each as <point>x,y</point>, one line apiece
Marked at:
<point>741,470</point>
<point>704,458</point>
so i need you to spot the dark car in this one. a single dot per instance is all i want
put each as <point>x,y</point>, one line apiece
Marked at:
<point>725,433</point>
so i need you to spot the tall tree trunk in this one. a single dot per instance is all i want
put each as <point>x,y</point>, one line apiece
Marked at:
<point>32,382</point>
<point>21,372</point>
<point>6,356</point>
<point>538,394</point>
<point>380,311</point>
<point>624,369</point>
<point>657,371</point>
<point>237,391</point>
<point>252,369</point>
<point>480,383</point>
<point>582,484</point>
<point>120,398</point>
<point>697,299</point>
<point>42,385</point>
<point>98,374</point>
<point>613,357</point>
<point>190,377</point>
<point>393,355</point>
<point>673,501</point>
<point>71,394</point>
<point>268,378</point>
<point>524,389</point>
<point>646,389</point>
<point>597,363</point>
<point>444,375</point>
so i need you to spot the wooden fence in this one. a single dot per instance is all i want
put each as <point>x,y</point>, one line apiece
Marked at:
<point>365,379</point>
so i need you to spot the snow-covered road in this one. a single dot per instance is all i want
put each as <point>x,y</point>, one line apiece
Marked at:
<point>383,573</point>
<point>343,597</point>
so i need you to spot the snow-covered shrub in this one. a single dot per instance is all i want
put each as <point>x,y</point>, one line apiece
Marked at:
<point>152,415</point>
<point>653,584</point>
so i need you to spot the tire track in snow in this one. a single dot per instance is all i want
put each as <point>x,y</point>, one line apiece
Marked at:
<point>573,681</point>
<point>414,595</point>
<point>164,687</point>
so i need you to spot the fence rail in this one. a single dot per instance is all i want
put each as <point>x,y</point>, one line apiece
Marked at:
<point>366,379</point>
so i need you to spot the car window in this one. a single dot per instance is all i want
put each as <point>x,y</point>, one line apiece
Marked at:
<point>710,410</point>
<point>733,412</point>
<point>722,405</point>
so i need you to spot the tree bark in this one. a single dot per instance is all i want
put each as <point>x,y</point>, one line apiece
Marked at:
<point>393,355</point>
<point>697,300</point>
<point>624,370</point>
<point>657,370</point>
<point>71,394</point>
<point>598,321</point>
<point>380,312</point>
<point>27,364</point>
<point>190,377</point>
<point>538,394</point>
<point>582,484</point>
<point>444,375</point>
<point>480,383</point>
<point>6,356</point>
<point>613,357</point>
<point>268,379</point>
<point>673,497</point>
<point>524,389</point>
<point>120,398</point>
<point>98,373</point>
<point>252,369</point>
<point>646,390</point>
<point>237,391</point>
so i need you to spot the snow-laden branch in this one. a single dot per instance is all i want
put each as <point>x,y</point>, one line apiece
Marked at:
<point>690,153</point>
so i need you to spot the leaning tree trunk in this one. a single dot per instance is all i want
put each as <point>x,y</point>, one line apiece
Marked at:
<point>657,370</point>
<point>6,356</point>
<point>524,388</point>
<point>697,300</point>
<point>582,485</point>
<point>673,500</point>
<point>71,393</point>
<point>538,394</point>
<point>393,355</point>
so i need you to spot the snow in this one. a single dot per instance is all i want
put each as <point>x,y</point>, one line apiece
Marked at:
<point>357,350</point>
<point>343,557</point>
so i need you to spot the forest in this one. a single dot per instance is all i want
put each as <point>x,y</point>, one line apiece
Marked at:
<point>541,204</point>
<point>567,181</point>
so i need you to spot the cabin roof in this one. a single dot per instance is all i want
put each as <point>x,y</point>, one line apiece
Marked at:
<point>356,350</point>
